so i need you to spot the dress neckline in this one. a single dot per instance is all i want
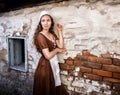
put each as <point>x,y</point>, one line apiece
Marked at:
<point>48,37</point>
<point>53,41</point>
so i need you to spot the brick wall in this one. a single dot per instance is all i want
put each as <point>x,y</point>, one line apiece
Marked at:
<point>104,69</point>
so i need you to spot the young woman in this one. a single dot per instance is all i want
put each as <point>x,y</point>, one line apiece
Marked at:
<point>47,78</point>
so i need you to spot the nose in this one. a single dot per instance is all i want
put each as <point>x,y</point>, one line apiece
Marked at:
<point>46,22</point>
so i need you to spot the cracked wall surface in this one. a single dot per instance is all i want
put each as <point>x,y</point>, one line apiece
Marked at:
<point>92,25</point>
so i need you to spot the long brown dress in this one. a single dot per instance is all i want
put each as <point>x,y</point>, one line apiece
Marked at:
<point>44,83</point>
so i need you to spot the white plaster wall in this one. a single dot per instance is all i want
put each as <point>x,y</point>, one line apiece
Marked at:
<point>91,26</point>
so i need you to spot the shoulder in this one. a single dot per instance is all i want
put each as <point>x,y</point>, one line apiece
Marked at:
<point>41,36</point>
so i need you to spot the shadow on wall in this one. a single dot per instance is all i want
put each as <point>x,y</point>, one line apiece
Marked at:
<point>8,5</point>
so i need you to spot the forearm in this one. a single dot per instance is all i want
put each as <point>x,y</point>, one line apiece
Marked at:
<point>49,54</point>
<point>61,40</point>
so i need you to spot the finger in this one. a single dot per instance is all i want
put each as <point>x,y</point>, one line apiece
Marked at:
<point>59,25</point>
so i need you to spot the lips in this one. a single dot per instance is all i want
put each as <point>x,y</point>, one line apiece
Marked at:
<point>45,26</point>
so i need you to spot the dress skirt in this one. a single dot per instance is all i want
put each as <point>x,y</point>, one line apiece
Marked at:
<point>44,83</point>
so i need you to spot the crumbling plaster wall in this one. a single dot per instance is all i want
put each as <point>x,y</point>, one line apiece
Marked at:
<point>92,25</point>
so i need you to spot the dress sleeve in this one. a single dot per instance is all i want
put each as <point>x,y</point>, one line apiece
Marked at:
<point>42,44</point>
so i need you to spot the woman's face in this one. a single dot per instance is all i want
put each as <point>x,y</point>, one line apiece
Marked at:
<point>46,22</point>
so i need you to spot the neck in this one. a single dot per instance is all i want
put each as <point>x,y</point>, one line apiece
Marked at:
<point>45,31</point>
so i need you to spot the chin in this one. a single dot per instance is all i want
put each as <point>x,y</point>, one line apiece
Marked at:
<point>46,28</point>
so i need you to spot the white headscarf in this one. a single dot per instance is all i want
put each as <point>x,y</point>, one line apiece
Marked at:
<point>42,13</point>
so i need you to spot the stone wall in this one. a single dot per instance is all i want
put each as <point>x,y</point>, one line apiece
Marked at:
<point>92,25</point>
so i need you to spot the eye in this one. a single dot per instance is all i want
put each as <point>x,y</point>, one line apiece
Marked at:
<point>43,20</point>
<point>48,20</point>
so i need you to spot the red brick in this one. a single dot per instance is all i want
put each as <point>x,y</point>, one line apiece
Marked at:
<point>116,61</point>
<point>92,65</point>
<point>112,80</point>
<point>105,61</point>
<point>93,59</point>
<point>87,53</point>
<point>77,60</point>
<point>100,60</point>
<point>85,70</point>
<point>78,57</point>
<point>111,68</point>
<point>102,73</point>
<point>69,61</point>
<point>80,74</point>
<point>77,63</point>
<point>116,75</point>
<point>93,77</point>
<point>66,67</point>
<point>116,86</point>
<point>84,58</point>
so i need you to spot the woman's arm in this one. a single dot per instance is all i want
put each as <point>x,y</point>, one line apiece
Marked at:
<point>60,42</point>
<point>49,54</point>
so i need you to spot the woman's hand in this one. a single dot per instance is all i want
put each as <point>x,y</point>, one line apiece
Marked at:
<point>61,50</point>
<point>60,41</point>
<point>59,27</point>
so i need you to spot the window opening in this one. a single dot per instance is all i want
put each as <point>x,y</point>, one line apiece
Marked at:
<point>17,53</point>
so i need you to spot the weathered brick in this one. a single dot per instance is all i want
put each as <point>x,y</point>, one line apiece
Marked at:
<point>116,75</point>
<point>92,65</point>
<point>66,67</point>
<point>102,73</point>
<point>80,74</point>
<point>100,60</point>
<point>77,63</point>
<point>111,68</point>
<point>116,86</point>
<point>93,59</point>
<point>87,53</point>
<point>84,58</point>
<point>112,80</point>
<point>116,61</point>
<point>105,61</point>
<point>69,61</point>
<point>93,77</point>
<point>78,57</point>
<point>77,60</point>
<point>85,70</point>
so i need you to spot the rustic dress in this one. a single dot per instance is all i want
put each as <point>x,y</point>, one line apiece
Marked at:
<point>45,82</point>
